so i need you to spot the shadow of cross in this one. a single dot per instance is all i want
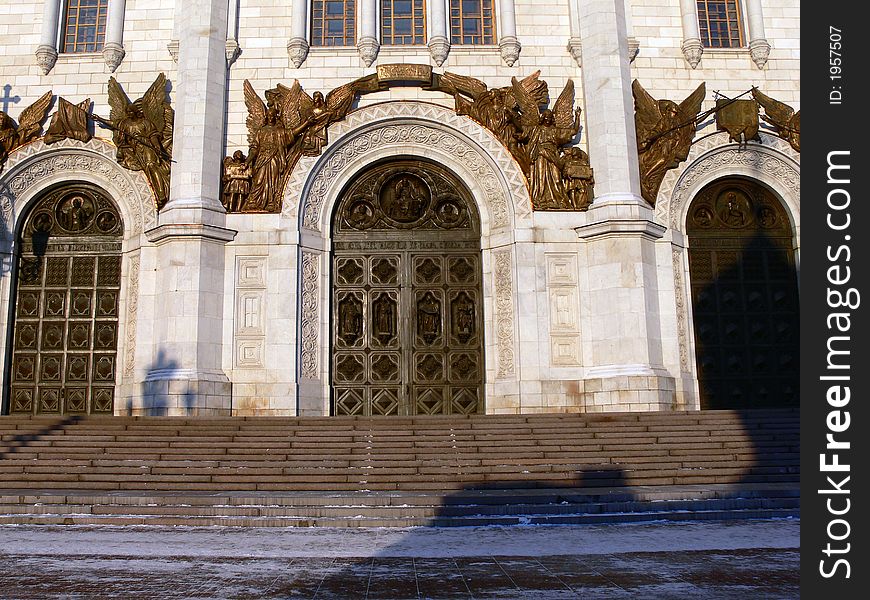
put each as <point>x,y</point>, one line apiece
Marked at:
<point>6,99</point>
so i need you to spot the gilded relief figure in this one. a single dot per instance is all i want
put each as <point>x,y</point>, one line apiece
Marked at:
<point>13,135</point>
<point>274,148</point>
<point>69,121</point>
<point>497,108</point>
<point>236,181</point>
<point>143,134</point>
<point>783,117</point>
<point>578,178</point>
<point>665,131</point>
<point>545,132</point>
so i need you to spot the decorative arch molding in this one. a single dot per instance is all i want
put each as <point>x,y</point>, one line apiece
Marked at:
<point>394,129</point>
<point>36,166</point>
<point>773,163</point>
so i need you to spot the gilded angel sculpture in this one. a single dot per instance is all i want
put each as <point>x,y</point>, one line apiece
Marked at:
<point>496,108</point>
<point>665,131</point>
<point>783,117</point>
<point>13,135</point>
<point>142,131</point>
<point>288,125</point>
<point>544,133</point>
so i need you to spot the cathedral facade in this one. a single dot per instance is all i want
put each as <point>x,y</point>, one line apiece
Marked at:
<point>398,207</point>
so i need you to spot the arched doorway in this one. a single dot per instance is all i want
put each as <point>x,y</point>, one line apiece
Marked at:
<point>406,296</point>
<point>744,297</point>
<point>65,316</point>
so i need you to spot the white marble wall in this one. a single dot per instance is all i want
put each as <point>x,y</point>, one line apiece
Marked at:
<point>584,312</point>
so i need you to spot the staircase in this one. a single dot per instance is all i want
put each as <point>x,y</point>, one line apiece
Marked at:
<point>405,471</point>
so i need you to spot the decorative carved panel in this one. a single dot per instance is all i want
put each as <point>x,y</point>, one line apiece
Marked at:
<point>406,300</point>
<point>65,341</point>
<point>250,328</point>
<point>744,297</point>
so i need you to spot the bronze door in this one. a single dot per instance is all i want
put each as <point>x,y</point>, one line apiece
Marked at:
<point>744,297</point>
<point>65,331</point>
<point>406,305</point>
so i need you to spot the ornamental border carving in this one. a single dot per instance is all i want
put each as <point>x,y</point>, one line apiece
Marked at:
<point>132,315</point>
<point>413,126</point>
<point>310,317</point>
<point>682,310</point>
<point>30,166</point>
<point>773,162</point>
<point>504,311</point>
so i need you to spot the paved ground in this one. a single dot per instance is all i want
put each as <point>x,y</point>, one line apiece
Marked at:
<point>741,559</point>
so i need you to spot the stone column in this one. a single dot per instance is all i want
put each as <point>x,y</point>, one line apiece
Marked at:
<point>368,44</point>
<point>113,48</point>
<point>186,377</point>
<point>692,47</point>
<point>232,48</point>
<point>759,47</point>
<point>622,327</point>
<point>439,41</point>
<point>507,41</point>
<point>298,46</point>
<point>575,48</point>
<point>46,52</point>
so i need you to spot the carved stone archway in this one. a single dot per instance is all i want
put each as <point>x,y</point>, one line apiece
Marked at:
<point>773,163</point>
<point>36,167</point>
<point>411,130</point>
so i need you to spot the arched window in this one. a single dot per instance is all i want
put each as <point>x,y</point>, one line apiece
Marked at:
<point>472,22</point>
<point>84,25</point>
<point>403,22</point>
<point>333,22</point>
<point>720,24</point>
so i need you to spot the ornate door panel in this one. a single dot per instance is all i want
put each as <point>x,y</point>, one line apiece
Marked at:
<point>65,337</point>
<point>744,297</point>
<point>406,305</point>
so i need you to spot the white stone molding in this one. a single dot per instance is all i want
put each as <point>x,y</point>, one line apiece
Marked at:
<point>172,47</point>
<point>439,41</point>
<point>633,48</point>
<point>416,129</point>
<point>297,45</point>
<point>113,48</point>
<point>132,316</point>
<point>508,43</point>
<point>633,42</point>
<point>575,45</point>
<point>691,46</point>
<point>759,47</point>
<point>368,45</point>
<point>37,166</point>
<point>564,303</point>
<point>46,52</point>
<point>505,326</point>
<point>607,100</point>
<point>682,308</point>
<point>309,364</point>
<point>233,50</point>
<point>250,302</point>
<point>774,163</point>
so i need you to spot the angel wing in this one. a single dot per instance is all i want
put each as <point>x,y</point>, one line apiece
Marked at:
<point>563,109</point>
<point>256,111</point>
<point>451,83</point>
<point>536,87</point>
<point>294,104</point>
<point>647,115</point>
<point>118,101</point>
<point>687,111</point>
<point>777,112</point>
<point>339,101</point>
<point>157,111</point>
<point>32,117</point>
<point>530,114</point>
<point>691,106</point>
<point>153,103</point>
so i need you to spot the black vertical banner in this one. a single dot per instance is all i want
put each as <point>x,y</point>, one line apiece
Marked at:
<point>835,340</point>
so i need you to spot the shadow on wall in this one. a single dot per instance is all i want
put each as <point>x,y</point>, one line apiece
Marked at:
<point>164,391</point>
<point>747,328</point>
